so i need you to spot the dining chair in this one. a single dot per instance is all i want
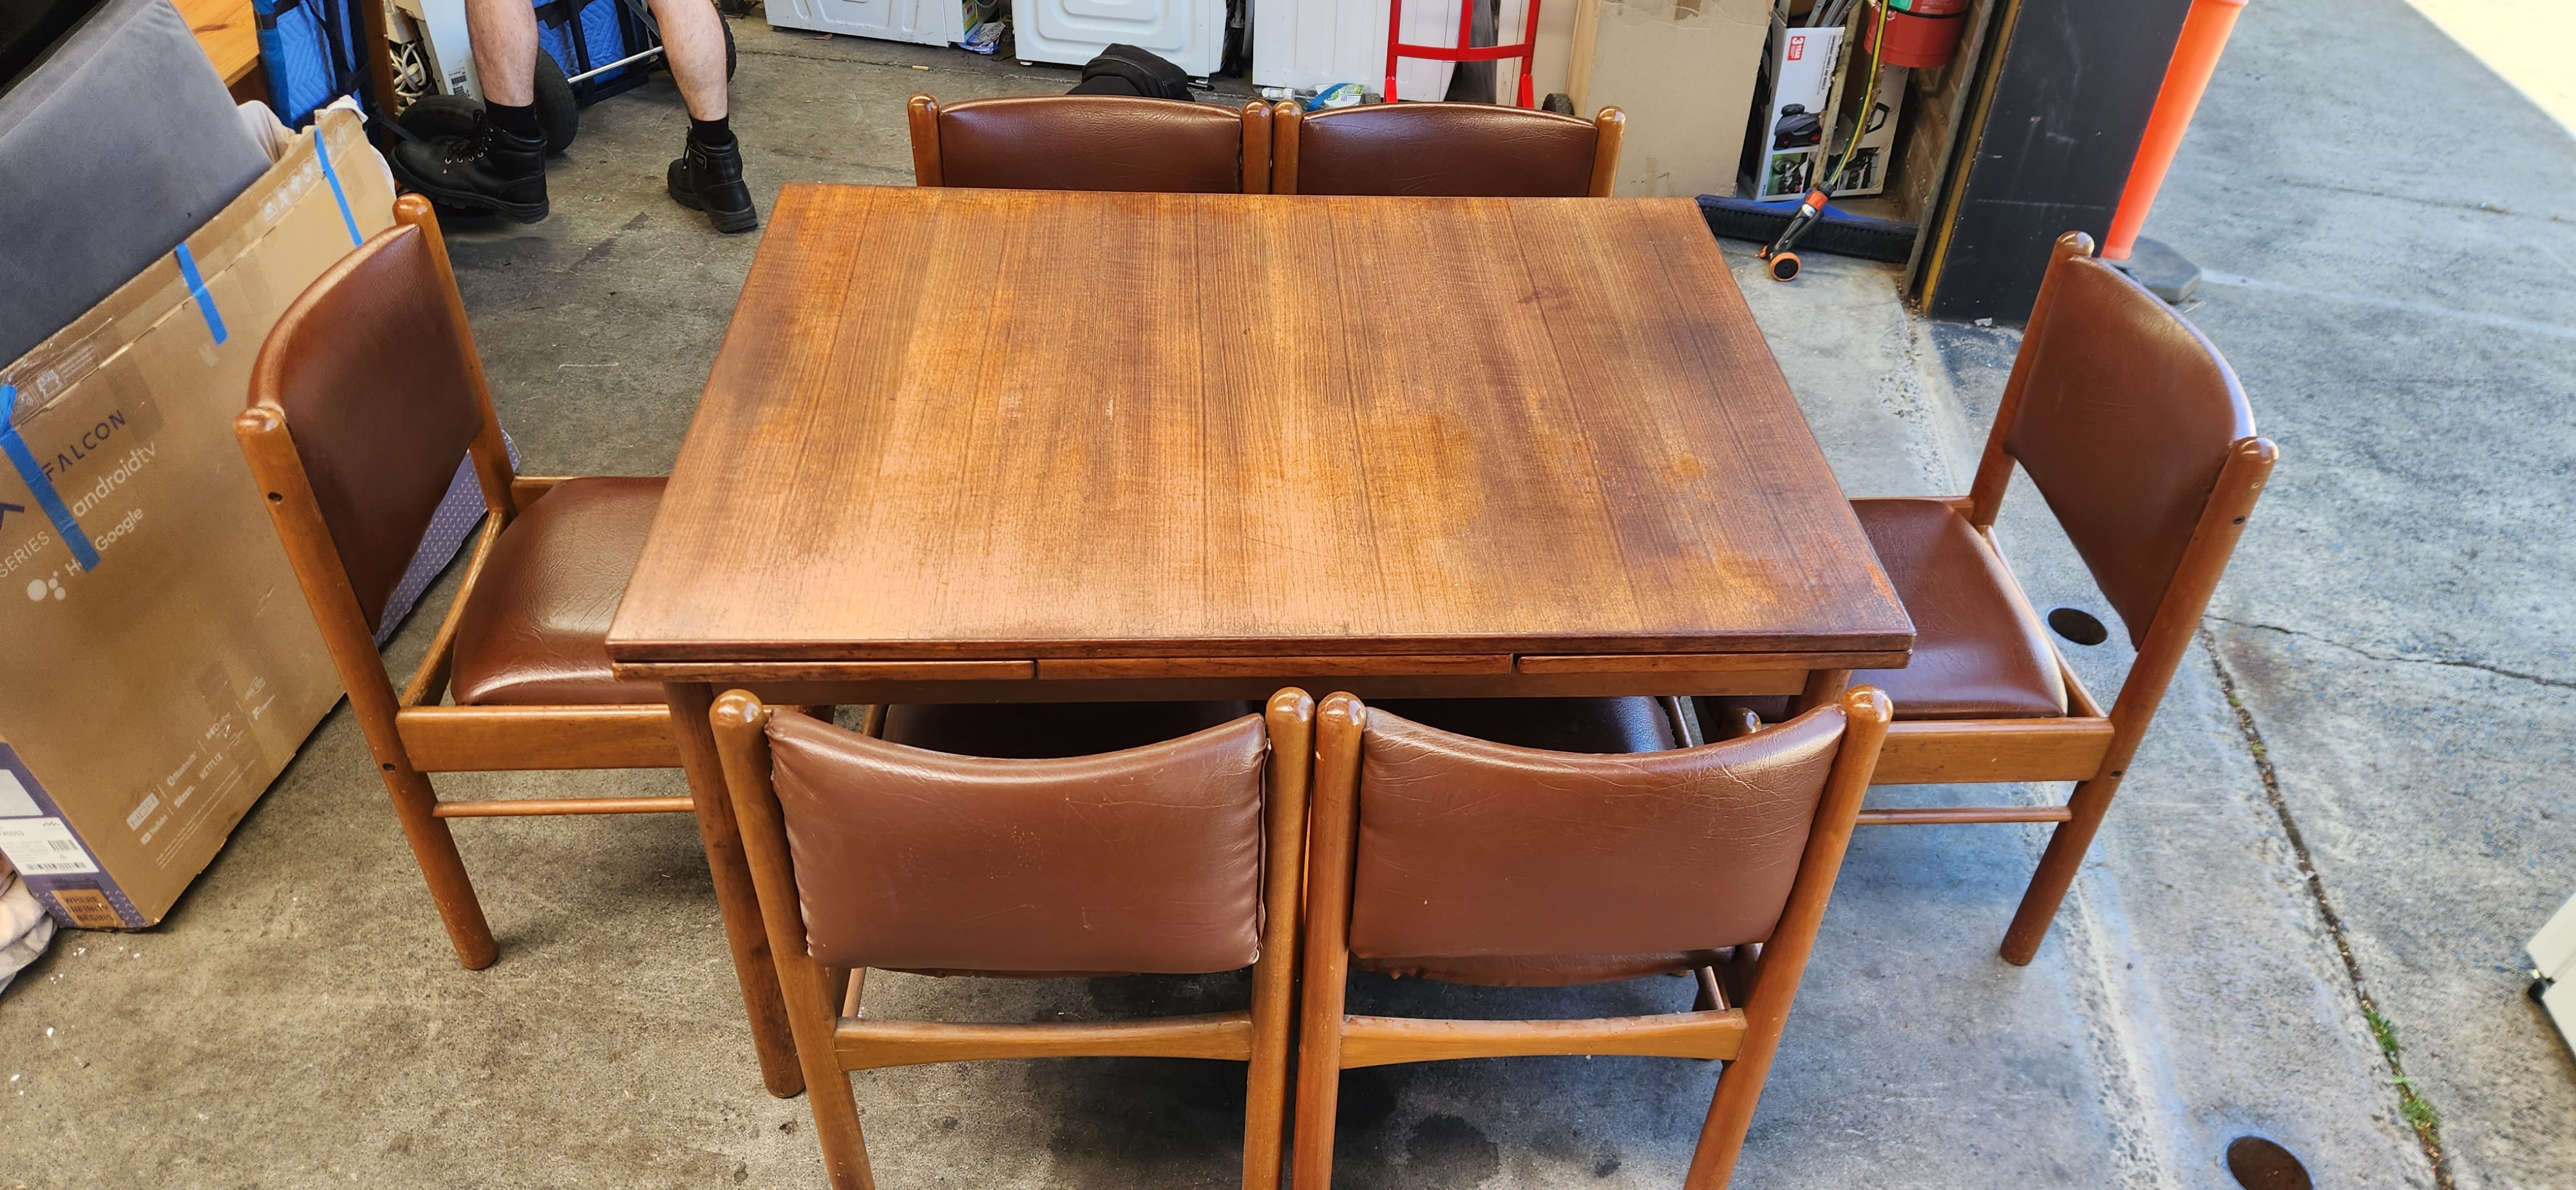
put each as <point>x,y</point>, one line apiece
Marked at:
<point>1456,150</point>
<point>364,399</point>
<point>2138,436</point>
<point>1179,857</point>
<point>1443,857</point>
<point>1091,142</point>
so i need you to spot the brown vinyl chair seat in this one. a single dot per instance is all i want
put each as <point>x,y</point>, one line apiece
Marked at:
<point>536,628</point>
<point>1979,649</point>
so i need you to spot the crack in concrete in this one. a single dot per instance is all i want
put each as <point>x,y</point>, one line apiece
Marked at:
<point>2499,671</point>
<point>2428,1135</point>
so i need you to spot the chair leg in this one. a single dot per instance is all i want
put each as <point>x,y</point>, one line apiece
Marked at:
<point>2066,848</point>
<point>1721,1137</point>
<point>836,1128</point>
<point>1319,1083</point>
<point>434,849</point>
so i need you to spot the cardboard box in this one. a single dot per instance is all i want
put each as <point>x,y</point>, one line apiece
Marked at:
<point>1810,85</point>
<point>162,665</point>
<point>1797,102</point>
<point>1874,123</point>
<point>1682,71</point>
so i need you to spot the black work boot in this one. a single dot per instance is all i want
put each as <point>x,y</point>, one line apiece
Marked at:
<point>709,178</point>
<point>492,170</point>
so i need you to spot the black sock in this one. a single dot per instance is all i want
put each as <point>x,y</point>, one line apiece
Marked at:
<point>520,122</point>
<point>714,134</point>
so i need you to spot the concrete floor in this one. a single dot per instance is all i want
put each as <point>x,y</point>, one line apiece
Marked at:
<point>2397,631</point>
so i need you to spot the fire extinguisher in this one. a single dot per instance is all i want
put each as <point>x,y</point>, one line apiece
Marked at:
<point>1919,33</point>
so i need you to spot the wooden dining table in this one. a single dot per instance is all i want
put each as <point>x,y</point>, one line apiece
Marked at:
<point>985,445</point>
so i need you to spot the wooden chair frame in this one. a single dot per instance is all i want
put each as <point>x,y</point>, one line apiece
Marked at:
<point>1609,125</point>
<point>830,1043</point>
<point>2088,745</point>
<point>1738,1018</point>
<point>921,113</point>
<point>412,734</point>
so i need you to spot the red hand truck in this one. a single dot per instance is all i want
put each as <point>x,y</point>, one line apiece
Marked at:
<point>1525,50</point>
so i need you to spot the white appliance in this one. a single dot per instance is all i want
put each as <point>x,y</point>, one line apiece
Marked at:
<point>923,22</point>
<point>446,50</point>
<point>1191,33</point>
<point>1313,44</point>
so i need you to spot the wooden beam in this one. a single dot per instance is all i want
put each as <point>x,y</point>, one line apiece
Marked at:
<point>445,739</point>
<point>1964,815</point>
<point>874,1045</point>
<point>1382,1040</point>
<point>1935,752</point>
<point>545,806</point>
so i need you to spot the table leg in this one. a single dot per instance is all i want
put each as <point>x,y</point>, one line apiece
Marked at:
<point>1823,686</point>
<point>735,899</point>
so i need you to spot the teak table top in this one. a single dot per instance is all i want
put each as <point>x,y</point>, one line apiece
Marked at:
<point>1089,435</point>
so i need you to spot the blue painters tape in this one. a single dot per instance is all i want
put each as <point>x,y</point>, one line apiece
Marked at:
<point>332,176</point>
<point>197,289</point>
<point>46,497</point>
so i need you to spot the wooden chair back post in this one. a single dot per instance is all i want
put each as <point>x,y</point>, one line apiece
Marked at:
<point>741,726</point>
<point>351,641</point>
<point>268,445</point>
<point>1256,147</point>
<point>1341,725</point>
<point>1609,126</point>
<point>921,113</point>
<point>1746,1035</point>
<point>819,997</point>
<point>1290,717</point>
<point>2168,637</point>
<point>1784,955</point>
<point>1285,116</point>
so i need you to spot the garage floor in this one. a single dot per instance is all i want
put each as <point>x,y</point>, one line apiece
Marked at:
<point>2397,632</point>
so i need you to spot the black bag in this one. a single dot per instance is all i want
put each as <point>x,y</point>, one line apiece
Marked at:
<point>1127,70</point>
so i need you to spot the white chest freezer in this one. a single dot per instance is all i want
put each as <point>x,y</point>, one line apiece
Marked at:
<point>924,22</point>
<point>1191,33</point>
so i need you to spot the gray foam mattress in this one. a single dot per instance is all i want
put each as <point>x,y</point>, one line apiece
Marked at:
<point>115,146</point>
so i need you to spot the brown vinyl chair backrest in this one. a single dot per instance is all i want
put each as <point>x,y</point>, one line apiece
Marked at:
<point>1142,861</point>
<point>2123,415</point>
<point>1091,142</point>
<point>1468,848</point>
<point>373,372</point>
<point>1454,150</point>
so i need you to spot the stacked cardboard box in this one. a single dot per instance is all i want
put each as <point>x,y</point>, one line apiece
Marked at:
<point>162,667</point>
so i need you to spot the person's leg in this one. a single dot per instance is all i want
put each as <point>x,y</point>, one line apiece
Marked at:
<point>693,41</point>
<point>502,169</point>
<point>505,49</point>
<point>708,175</point>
